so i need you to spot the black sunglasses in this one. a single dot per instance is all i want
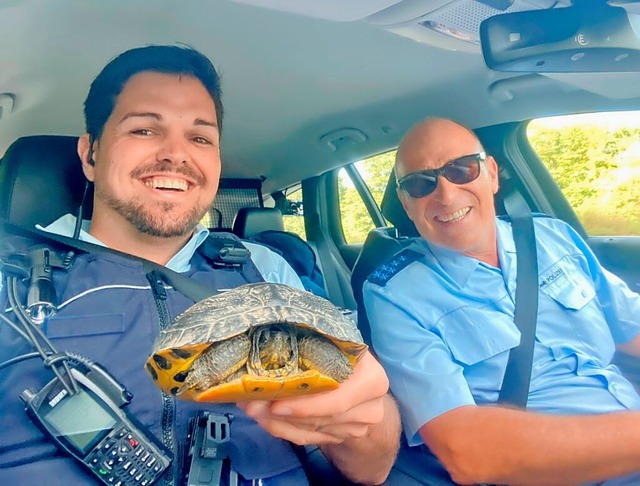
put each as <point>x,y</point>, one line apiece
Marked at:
<point>459,171</point>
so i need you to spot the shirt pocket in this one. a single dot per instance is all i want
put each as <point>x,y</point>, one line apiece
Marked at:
<point>474,334</point>
<point>566,284</point>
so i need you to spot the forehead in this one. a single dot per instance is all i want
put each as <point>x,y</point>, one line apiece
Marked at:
<point>149,89</point>
<point>432,146</point>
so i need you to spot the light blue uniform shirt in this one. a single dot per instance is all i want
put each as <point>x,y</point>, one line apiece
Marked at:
<point>443,323</point>
<point>271,266</point>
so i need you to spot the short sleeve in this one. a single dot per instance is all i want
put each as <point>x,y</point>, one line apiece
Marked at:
<point>424,377</point>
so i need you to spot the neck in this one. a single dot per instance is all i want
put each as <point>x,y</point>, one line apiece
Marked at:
<point>490,259</point>
<point>488,251</point>
<point>129,240</point>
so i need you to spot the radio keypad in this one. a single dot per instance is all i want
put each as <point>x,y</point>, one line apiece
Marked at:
<point>122,461</point>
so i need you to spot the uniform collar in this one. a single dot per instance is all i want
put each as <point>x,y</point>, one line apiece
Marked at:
<point>454,264</point>
<point>460,267</point>
<point>180,262</point>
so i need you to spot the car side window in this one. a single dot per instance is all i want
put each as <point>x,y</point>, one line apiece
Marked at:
<point>595,159</point>
<point>355,217</point>
<point>294,217</point>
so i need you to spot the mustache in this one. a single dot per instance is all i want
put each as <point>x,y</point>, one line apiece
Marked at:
<point>170,168</point>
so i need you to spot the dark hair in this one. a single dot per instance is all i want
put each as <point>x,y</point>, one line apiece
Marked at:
<point>178,60</point>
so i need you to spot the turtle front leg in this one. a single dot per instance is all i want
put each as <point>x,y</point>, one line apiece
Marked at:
<point>217,363</point>
<point>321,354</point>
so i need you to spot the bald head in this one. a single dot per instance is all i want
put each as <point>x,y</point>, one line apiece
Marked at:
<point>430,143</point>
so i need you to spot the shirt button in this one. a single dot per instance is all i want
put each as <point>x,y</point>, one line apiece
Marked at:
<point>583,293</point>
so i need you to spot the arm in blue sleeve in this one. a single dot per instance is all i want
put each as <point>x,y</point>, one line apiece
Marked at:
<point>423,375</point>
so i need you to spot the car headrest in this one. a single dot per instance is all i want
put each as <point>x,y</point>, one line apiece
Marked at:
<point>394,212</point>
<point>251,221</point>
<point>41,179</point>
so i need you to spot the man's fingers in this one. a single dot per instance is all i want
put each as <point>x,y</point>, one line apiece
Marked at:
<point>295,434</point>
<point>367,382</point>
<point>367,413</point>
<point>312,434</point>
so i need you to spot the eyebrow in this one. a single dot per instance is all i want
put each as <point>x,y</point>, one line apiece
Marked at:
<point>140,114</point>
<point>158,116</point>
<point>206,123</point>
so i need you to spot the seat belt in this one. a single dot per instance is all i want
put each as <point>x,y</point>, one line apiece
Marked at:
<point>190,288</point>
<point>329,271</point>
<point>517,376</point>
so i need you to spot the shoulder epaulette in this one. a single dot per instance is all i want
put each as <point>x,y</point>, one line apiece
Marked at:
<point>386,271</point>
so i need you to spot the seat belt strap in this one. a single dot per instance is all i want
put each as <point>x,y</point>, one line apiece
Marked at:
<point>517,377</point>
<point>190,288</point>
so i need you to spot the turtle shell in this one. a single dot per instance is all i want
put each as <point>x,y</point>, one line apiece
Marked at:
<point>240,311</point>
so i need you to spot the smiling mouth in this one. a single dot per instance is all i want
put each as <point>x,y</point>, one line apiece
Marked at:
<point>453,217</point>
<point>167,183</point>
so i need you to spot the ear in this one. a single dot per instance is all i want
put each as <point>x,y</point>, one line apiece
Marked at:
<point>84,152</point>
<point>492,170</point>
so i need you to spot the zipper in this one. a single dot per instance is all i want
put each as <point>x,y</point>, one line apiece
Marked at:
<point>168,402</point>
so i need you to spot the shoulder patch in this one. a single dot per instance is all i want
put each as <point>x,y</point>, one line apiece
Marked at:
<point>387,271</point>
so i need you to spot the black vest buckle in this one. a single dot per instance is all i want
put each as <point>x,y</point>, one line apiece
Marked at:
<point>231,256</point>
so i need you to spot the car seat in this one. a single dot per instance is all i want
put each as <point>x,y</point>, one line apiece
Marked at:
<point>41,179</point>
<point>251,221</point>
<point>379,247</point>
<point>266,226</point>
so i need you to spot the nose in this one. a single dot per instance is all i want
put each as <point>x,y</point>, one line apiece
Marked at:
<point>173,149</point>
<point>445,192</point>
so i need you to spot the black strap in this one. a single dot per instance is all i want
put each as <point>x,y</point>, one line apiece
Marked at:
<point>190,288</point>
<point>517,376</point>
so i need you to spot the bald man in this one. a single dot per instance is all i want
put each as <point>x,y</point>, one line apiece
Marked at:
<point>442,319</point>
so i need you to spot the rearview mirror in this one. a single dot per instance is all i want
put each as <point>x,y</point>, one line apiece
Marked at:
<point>591,36</point>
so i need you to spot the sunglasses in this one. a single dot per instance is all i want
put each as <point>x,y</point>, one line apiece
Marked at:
<point>462,170</point>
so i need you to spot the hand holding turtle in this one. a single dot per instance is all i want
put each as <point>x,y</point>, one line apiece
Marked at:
<point>357,425</point>
<point>328,418</point>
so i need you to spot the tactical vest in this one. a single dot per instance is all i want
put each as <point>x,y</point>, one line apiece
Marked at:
<point>111,311</point>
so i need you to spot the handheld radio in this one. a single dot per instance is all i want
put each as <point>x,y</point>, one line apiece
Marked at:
<point>92,426</point>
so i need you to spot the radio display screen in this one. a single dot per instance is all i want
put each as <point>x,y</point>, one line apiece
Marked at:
<point>80,421</point>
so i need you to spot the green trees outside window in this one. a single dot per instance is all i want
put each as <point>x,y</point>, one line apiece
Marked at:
<point>595,159</point>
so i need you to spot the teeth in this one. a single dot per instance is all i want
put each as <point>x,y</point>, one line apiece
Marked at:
<point>166,183</point>
<point>459,214</point>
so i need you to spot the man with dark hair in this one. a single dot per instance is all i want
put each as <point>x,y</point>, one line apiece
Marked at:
<point>442,320</point>
<point>152,151</point>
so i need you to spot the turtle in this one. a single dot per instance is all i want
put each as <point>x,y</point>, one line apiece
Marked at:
<point>260,341</point>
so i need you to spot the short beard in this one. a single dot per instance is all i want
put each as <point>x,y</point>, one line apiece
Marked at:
<point>162,224</point>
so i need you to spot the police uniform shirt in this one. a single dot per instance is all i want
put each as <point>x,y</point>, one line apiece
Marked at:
<point>443,323</point>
